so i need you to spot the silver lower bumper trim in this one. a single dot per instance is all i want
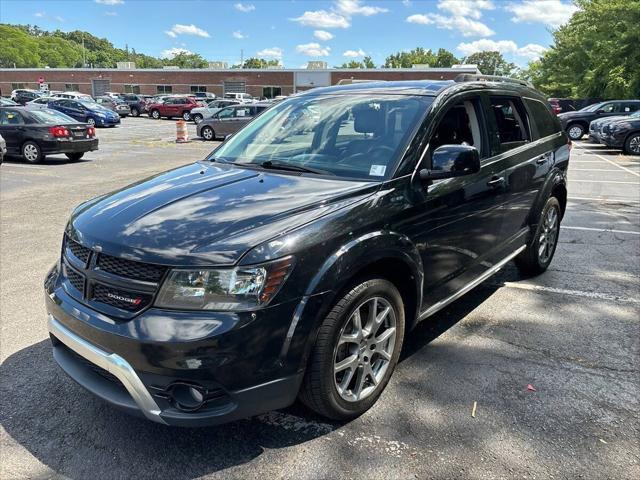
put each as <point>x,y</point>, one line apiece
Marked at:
<point>111,362</point>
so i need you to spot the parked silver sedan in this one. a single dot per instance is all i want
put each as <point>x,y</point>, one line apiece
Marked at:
<point>201,113</point>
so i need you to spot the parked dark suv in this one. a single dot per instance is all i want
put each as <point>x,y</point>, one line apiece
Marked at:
<point>577,123</point>
<point>292,261</point>
<point>137,103</point>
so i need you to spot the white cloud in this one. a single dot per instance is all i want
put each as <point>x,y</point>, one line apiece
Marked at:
<point>172,52</point>
<point>110,2</point>
<point>549,12</point>
<point>44,15</point>
<point>244,7</point>
<point>349,8</point>
<point>238,34</point>
<point>178,29</point>
<point>466,26</point>
<point>39,14</point>
<point>273,52</point>
<point>313,50</point>
<point>406,3</point>
<point>354,53</point>
<point>58,18</point>
<point>323,35</point>
<point>466,8</point>
<point>322,19</point>
<point>531,50</point>
<point>111,14</point>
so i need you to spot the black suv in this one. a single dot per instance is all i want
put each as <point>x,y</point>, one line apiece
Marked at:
<point>292,262</point>
<point>623,133</point>
<point>577,123</point>
<point>137,103</point>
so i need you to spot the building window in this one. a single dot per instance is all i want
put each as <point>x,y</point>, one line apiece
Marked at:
<point>132,89</point>
<point>164,89</point>
<point>71,87</point>
<point>271,92</point>
<point>17,86</point>
<point>198,88</point>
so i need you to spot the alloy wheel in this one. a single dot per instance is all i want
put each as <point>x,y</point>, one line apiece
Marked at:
<point>634,144</point>
<point>364,349</point>
<point>30,152</point>
<point>575,132</point>
<point>548,235</point>
<point>197,118</point>
<point>186,116</point>
<point>91,122</point>
<point>207,133</point>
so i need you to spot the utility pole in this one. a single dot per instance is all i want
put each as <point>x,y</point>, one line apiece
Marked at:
<point>241,58</point>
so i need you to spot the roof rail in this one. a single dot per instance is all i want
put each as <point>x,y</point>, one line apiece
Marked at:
<point>472,77</point>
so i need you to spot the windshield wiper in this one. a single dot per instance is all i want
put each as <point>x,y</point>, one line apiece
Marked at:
<point>293,168</point>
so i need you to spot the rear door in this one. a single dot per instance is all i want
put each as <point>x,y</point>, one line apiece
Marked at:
<point>12,129</point>
<point>525,158</point>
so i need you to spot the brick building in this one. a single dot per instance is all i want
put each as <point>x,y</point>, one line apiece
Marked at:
<point>256,82</point>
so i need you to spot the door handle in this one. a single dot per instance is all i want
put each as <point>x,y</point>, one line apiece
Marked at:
<point>496,181</point>
<point>541,159</point>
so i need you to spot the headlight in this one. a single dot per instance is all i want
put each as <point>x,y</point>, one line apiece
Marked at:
<point>241,288</point>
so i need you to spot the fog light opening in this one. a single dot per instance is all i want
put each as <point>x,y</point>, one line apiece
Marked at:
<point>187,397</point>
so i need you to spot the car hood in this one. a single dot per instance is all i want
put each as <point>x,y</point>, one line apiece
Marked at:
<point>206,213</point>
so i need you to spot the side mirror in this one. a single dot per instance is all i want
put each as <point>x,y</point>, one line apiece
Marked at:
<point>599,111</point>
<point>452,161</point>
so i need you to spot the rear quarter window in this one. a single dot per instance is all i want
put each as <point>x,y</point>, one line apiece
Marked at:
<point>545,122</point>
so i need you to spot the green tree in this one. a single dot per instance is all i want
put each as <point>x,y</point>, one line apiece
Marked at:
<point>445,59</point>
<point>187,60</point>
<point>595,54</point>
<point>254,62</point>
<point>417,56</point>
<point>492,63</point>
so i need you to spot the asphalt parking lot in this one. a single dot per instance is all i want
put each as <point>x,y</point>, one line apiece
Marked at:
<point>572,334</point>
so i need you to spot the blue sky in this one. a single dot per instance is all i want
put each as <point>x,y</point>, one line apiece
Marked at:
<point>296,31</point>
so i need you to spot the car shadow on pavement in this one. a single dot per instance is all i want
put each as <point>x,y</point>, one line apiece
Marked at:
<point>50,160</point>
<point>77,435</point>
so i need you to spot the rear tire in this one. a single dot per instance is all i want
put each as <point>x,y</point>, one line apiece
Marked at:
<point>208,133</point>
<point>575,131</point>
<point>135,112</point>
<point>186,116</point>
<point>91,122</point>
<point>356,351</point>
<point>632,144</point>
<point>537,257</point>
<point>32,152</point>
<point>74,157</point>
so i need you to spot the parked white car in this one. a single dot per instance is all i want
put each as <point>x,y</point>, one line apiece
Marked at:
<point>240,97</point>
<point>74,96</point>
<point>201,113</point>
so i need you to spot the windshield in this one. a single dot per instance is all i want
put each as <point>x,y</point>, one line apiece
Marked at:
<point>591,108</point>
<point>46,115</point>
<point>353,136</point>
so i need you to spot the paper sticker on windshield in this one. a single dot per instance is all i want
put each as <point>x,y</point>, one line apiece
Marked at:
<point>377,170</point>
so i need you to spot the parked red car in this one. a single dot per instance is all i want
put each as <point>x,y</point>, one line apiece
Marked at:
<point>172,107</point>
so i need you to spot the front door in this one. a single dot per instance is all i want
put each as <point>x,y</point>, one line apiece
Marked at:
<point>456,223</point>
<point>12,129</point>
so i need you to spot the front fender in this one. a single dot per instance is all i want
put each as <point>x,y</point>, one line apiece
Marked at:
<point>336,273</point>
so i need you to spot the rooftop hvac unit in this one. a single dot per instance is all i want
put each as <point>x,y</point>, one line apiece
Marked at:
<point>316,65</point>
<point>126,65</point>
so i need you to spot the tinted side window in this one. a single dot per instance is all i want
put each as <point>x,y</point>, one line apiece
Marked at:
<point>511,121</point>
<point>461,125</point>
<point>631,107</point>
<point>544,120</point>
<point>10,117</point>
<point>610,108</point>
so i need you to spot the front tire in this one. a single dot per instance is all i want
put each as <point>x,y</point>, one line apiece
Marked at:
<point>32,152</point>
<point>91,122</point>
<point>208,134</point>
<point>575,131</point>
<point>632,144</point>
<point>74,157</point>
<point>197,118</point>
<point>356,351</point>
<point>155,114</point>
<point>537,257</point>
<point>135,112</point>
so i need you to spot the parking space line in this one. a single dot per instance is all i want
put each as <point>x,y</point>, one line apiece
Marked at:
<point>604,199</point>
<point>594,170</point>
<point>606,230</point>
<point>575,180</point>
<point>575,293</point>
<point>628,170</point>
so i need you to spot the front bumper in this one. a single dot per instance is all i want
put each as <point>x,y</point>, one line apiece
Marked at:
<point>236,360</point>
<point>106,122</point>
<point>613,140</point>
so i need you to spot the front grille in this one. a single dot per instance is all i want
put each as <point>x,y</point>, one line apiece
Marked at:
<point>119,298</point>
<point>130,268</point>
<point>79,251</point>
<point>75,279</point>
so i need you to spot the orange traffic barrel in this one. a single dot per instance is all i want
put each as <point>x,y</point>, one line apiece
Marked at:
<point>182,136</point>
